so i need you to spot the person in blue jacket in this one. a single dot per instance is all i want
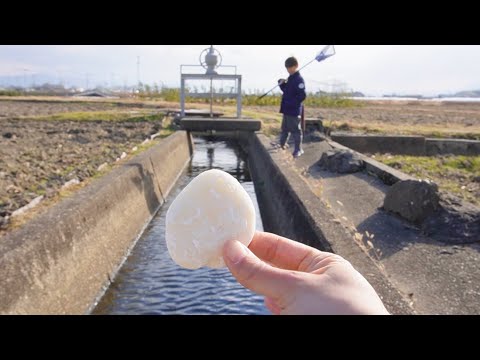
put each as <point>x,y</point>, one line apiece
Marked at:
<point>294,94</point>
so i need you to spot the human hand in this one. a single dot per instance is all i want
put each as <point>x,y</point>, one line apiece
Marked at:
<point>281,81</point>
<point>298,279</point>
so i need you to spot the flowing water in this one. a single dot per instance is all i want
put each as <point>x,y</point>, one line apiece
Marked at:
<point>149,282</point>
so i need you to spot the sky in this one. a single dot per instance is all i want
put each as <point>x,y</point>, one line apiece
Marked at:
<point>372,69</point>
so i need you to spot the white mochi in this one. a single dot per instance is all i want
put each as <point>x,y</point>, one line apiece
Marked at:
<point>212,209</point>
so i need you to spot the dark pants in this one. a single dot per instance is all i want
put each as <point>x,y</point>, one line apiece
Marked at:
<point>291,124</point>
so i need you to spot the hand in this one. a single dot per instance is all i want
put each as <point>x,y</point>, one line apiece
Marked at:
<point>298,279</point>
<point>281,81</point>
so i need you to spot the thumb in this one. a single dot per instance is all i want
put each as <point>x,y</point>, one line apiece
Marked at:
<point>255,274</point>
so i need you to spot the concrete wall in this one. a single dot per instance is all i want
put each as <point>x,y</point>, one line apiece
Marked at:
<point>452,146</point>
<point>384,172</point>
<point>407,145</point>
<point>61,262</point>
<point>290,208</point>
<point>223,124</point>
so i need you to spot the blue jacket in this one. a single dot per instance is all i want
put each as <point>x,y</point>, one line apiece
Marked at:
<point>293,95</point>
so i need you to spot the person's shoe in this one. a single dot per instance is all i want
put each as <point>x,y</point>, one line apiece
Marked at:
<point>284,146</point>
<point>296,154</point>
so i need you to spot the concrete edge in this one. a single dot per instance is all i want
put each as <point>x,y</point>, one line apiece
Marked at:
<point>384,172</point>
<point>62,261</point>
<point>291,209</point>
<point>393,144</point>
<point>452,146</point>
<point>416,145</point>
<point>219,124</point>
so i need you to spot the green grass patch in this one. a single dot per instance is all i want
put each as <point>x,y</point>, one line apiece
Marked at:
<point>313,100</point>
<point>455,174</point>
<point>10,93</point>
<point>469,164</point>
<point>98,116</point>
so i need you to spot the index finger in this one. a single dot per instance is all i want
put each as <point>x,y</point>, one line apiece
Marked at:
<point>283,252</point>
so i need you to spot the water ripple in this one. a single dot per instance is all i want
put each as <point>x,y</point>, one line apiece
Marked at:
<point>151,283</point>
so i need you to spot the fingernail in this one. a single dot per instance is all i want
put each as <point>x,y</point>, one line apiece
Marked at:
<point>235,251</point>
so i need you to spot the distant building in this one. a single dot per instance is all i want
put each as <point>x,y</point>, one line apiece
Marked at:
<point>95,93</point>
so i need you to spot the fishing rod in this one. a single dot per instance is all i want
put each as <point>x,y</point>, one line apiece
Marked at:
<point>326,52</point>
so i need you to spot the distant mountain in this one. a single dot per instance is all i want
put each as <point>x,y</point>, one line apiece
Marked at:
<point>463,94</point>
<point>413,96</point>
<point>357,94</point>
<point>471,94</point>
<point>348,93</point>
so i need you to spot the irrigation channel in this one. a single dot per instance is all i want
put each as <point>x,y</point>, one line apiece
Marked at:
<point>149,282</point>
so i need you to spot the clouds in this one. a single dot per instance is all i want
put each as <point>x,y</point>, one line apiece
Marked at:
<point>374,69</point>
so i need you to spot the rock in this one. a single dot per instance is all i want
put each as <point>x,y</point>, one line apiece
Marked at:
<point>70,183</point>
<point>13,189</point>
<point>414,200</point>
<point>458,222</point>
<point>103,166</point>
<point>30,206</point>
<point>4,220</point>
<point>212,209</point>
<point>9,135</point>
<point>341,161</point>
<point>314,136</point>
<point>446,252</point>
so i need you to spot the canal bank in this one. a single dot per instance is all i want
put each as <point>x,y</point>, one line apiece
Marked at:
<point>60,262</point>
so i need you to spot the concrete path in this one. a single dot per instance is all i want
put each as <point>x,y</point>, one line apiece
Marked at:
<point>437,278</point>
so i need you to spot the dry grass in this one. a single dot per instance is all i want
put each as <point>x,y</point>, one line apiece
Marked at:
<point>427,130</point>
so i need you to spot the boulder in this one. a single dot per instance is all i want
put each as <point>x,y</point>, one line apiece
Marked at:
<point>414,200</point>
<point>341,161</point>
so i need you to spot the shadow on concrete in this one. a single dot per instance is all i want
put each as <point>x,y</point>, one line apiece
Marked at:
<point>317,173</point>
<point>146,184</point>
<point>391,232</point>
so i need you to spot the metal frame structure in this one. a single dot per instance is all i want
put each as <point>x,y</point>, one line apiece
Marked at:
<point>189,76</point>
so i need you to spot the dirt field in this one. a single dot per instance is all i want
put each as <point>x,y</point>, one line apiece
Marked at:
<point>47,142</point>
<point>38,157</point>
<point>28,107</point>
<point>461,120</point>
<point>407,113</point>
<point>15,109</point>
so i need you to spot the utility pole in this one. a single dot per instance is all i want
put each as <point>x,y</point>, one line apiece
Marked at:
<point>86,81</point>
